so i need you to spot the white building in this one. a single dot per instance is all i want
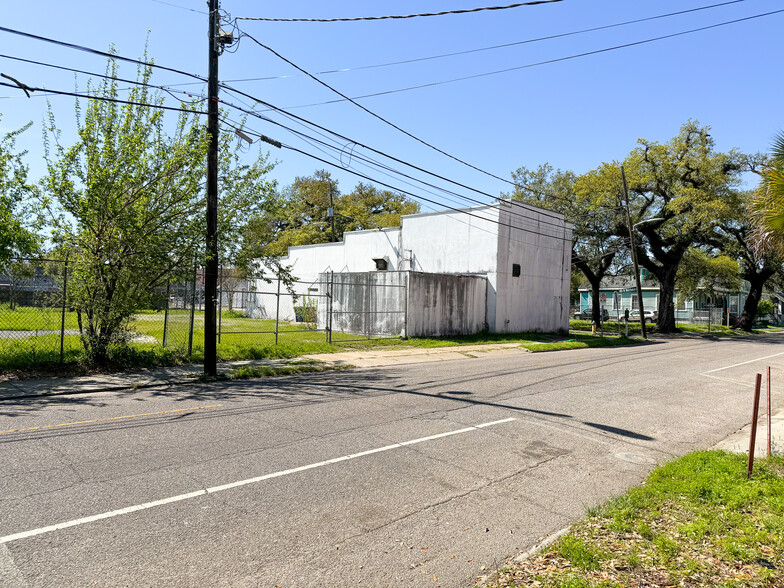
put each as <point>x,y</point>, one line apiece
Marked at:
<point>523,252</point>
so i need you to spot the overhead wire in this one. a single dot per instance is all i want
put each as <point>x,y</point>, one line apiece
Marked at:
<point>500,46</point>
<point>373,114</point>
<point>467,198</point>
<point>538,63</point>
<point>404,16</point>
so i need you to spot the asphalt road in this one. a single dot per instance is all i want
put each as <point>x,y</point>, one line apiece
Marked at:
<point>412,475</point>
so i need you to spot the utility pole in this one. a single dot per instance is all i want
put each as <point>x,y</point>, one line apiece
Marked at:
<point>331,213</point>
<point>211,269</point>
<point>634,256</point>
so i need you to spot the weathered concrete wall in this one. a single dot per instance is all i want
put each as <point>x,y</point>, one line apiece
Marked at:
<point>540,243</point>
<point>375,304</point>
<point>365,303</point>
<point>441,304</point>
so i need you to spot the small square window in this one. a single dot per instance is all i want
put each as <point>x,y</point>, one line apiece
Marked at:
<point>515,270</point>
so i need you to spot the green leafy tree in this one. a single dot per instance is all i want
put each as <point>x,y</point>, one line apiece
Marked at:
<point>679,191</point>
<point>300,215</point>
<point>701,273</point>
<point>767,207</point>
<point>126,200</point>
<point>17,232</point>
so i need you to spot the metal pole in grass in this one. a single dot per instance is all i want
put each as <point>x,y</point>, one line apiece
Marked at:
<point>277,311</point>
<point>166,311</point>
<point>753,439</point>
<point>193,310</point>
<point>220,303</point>
<point>62,318</point>
<point>768,411</point>
<point>330,302</point>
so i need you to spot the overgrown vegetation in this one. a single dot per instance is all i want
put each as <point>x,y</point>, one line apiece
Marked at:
<point>696,522</point>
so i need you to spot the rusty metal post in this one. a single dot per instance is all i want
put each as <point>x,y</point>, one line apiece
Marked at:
<point>768,411</point>
<point>753,439</point>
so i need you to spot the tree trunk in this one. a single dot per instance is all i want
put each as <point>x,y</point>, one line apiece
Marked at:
<point>757,281</point>
<point>666,321</point>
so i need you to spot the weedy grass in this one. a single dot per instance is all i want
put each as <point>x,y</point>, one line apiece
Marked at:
<point>697,521</point>
<point>264,371</point>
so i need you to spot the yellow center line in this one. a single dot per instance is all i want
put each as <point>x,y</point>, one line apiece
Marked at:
<point>130,416</point>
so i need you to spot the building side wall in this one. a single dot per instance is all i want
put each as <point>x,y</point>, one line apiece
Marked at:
<point>538,299</point>
<point>444,304</point>
<point>451,242</point>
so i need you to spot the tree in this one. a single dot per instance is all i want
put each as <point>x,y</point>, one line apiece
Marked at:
<point>300,215</point>
<point>17,233</point>
<point>596,249</point>
<point>702,273</point>
<point>756,266</point>
<point>126,200</point>
<point>767,207</point>
<point>682,189</point>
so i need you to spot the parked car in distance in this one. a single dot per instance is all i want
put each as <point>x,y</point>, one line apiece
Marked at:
<point>586,315</point>
<point>650,316</point>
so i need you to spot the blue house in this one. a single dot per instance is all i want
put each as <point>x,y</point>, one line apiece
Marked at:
<point>619,293</point>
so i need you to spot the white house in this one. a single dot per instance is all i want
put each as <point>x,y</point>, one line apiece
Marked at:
<point>523,253</point>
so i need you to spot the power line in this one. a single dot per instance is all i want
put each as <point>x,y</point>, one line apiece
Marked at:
<point>545,62</point>
<point>493,47</point>
<point>100,53</point>
<point>98,75</point>
<point>370,112</point>
<point>101,98</point>
<point>398,17</point>
<point>418,197</point>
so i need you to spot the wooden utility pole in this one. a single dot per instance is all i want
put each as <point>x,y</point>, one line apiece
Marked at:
<point>634,256</point>
<point>211,269</point>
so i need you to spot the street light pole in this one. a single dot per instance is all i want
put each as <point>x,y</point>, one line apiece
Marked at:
<point>634,256</point>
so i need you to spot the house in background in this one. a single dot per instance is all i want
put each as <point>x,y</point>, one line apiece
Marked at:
<point>503,267</point>
<point>619,293</point>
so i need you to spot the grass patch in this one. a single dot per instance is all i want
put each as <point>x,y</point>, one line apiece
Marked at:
<point>264,371</point>
<point>696,522</point>
<point>581,341</point>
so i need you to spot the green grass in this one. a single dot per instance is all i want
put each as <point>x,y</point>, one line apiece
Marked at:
<point>697,521</point>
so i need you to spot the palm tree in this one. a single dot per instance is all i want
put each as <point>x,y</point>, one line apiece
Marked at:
<point>767,206</point>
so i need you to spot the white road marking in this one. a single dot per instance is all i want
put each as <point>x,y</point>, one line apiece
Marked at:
<point>736,382</point>
<point>742,363</point>
<point>214,489</point>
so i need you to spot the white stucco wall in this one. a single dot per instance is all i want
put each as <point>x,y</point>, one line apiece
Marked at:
<point>541,243</point>
<point>483,240</point>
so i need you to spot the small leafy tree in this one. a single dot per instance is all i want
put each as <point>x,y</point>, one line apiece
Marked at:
<point>126,200</point>
<point>17,229</point>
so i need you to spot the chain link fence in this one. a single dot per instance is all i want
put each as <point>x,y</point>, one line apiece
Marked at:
<point>39,322</point>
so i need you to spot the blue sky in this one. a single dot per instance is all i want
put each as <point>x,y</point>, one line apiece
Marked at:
<point>574,114</point>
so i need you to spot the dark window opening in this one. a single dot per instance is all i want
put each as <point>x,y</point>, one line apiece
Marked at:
<point>515,270</point>
<point>381,264</point>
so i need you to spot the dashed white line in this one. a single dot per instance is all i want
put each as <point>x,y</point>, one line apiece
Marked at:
<point>214,489</point>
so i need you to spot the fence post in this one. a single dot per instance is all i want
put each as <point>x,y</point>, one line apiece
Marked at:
<point>193,310</point>
<point>62,318</point>
<point>277,310</point>
<point>330,303</point>
<point>406,294</point>
<point>220,303</point>
<point>166,311</point>
<point>710,315</point>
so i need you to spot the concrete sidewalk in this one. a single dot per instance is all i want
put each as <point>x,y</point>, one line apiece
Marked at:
<point>739,441</point>
<point>187,374</point>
